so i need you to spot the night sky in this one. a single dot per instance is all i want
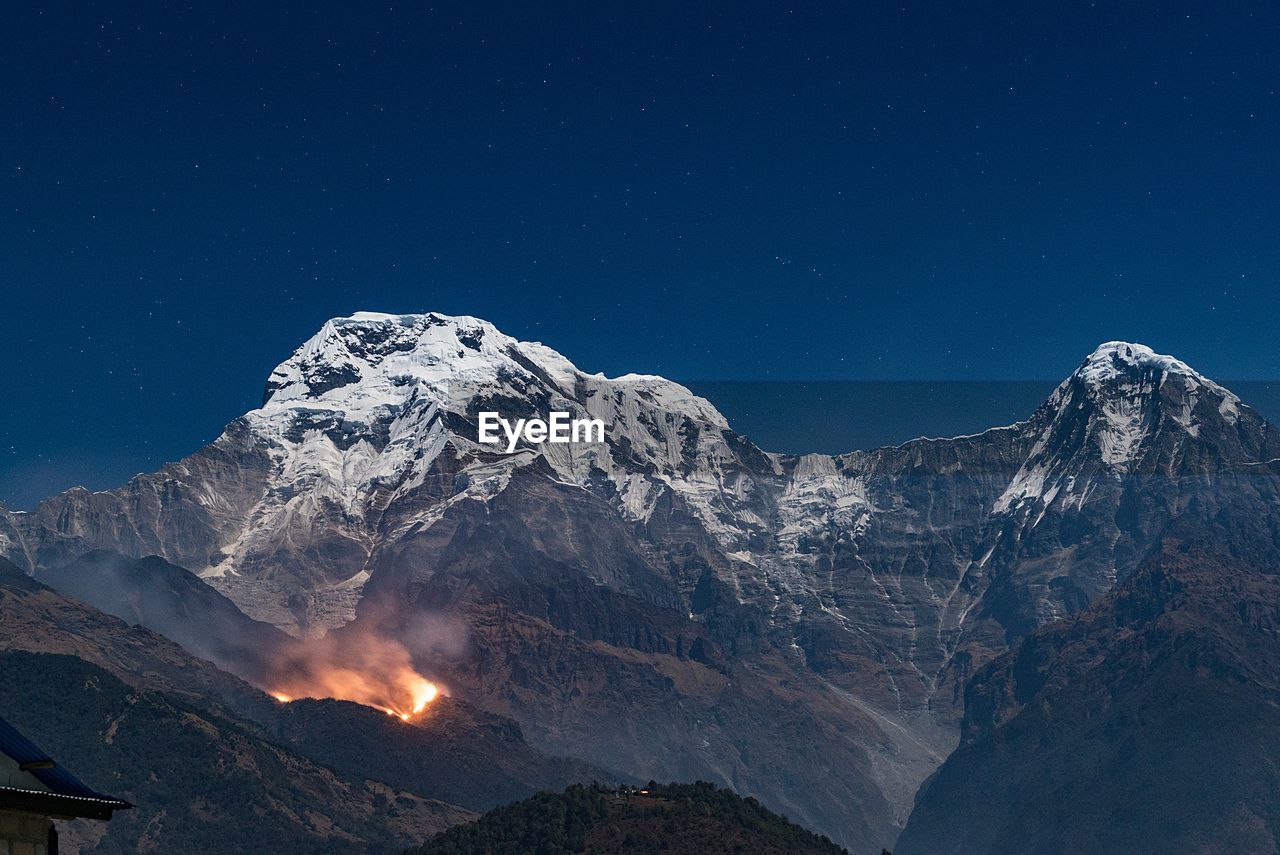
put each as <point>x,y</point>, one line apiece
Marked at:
<point>706,191</point>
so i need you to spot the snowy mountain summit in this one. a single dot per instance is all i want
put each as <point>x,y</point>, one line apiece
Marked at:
<point>369,360</point>
<point>1126,369</point>
<point>1118,412</point>
<point>362,413</point>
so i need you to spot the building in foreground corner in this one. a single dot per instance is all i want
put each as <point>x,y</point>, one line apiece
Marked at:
<point>34,791</point>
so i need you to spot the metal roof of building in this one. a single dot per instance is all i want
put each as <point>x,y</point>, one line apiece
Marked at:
<point>64,790</point>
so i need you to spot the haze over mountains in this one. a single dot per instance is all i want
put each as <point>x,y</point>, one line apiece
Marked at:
<point>674,603</point>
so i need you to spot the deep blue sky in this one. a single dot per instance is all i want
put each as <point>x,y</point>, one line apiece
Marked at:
<point>708,191</point>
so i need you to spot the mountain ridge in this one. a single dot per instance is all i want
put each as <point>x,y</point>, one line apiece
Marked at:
<point>676,562</point>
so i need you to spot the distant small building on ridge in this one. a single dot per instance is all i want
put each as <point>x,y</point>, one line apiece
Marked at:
<point>34,791</point>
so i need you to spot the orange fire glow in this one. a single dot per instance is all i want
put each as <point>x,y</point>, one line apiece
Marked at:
<point>376,672</point>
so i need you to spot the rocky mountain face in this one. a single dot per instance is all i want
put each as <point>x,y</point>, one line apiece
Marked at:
<point>1146,724</point>
<point>675,602</point>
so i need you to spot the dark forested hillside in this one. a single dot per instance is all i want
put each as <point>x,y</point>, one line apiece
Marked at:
<point>214,764</point>
<point>699,819</point>
<point>1148,724</point>
<point>199,781</point>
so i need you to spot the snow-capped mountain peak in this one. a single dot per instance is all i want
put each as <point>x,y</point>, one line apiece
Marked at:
<point>369,418</point>
<point>358,363</point>
<point>372,360</point>
<point>1106,417</point>
<point>1122,361</point>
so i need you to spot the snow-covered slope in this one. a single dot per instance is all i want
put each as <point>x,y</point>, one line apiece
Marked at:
<point>366,411</point>
<point>370,401</point>
<point>1110,408</point>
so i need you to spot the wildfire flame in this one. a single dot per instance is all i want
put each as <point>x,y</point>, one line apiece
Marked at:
<point>421,691</point>
<point>376,672</point>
